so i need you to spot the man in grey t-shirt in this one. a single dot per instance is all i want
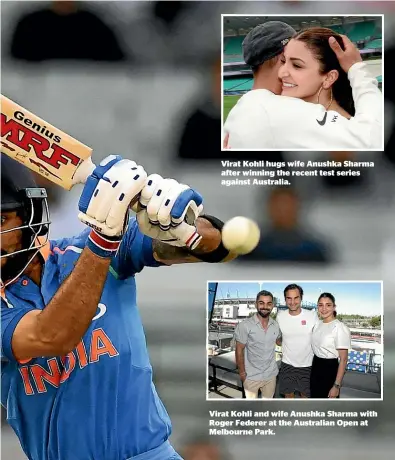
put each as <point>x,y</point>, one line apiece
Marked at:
<point>255,349</point>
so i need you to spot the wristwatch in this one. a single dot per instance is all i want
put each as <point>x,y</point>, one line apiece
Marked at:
<point>336,385</point>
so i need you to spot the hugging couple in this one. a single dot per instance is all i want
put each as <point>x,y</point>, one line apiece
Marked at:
<point>311,91</point>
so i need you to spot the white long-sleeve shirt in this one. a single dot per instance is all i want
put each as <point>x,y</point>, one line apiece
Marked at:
<point>262,120</point>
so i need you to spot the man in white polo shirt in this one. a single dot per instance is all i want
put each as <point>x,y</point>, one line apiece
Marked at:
<point>262,119</point>
<point>256,339</point>
<point>296,327</point>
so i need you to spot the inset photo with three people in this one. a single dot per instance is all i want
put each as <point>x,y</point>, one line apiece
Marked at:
<point>287,339</point>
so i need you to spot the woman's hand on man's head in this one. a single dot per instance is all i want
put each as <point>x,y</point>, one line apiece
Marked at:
<point>347,57</point>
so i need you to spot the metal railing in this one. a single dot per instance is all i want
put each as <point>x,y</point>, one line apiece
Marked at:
<point>214,381</point>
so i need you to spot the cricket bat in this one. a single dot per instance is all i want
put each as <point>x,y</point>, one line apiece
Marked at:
<point>42,147</point>
<point>47,150</point>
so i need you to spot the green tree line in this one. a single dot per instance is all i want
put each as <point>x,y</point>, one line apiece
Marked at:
<point>374,321</point>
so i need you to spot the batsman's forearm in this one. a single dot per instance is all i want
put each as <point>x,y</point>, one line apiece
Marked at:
<point>69,313</point>
<point>211,239</point>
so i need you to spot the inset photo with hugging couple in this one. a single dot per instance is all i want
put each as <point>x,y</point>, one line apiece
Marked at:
<point>302,82</point>
<point>294,339</point>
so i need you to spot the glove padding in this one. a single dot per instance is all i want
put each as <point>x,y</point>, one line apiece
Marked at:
<point>168,211</point>
<point>108,192</point>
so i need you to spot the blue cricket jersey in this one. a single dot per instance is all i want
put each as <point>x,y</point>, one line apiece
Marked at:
<point>99,401</point>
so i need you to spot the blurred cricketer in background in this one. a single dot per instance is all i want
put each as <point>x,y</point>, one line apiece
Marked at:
<point>76,376</point>
<point>313,72</point>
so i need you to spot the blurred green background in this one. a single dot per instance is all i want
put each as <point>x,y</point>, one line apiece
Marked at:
<point>228,103</point>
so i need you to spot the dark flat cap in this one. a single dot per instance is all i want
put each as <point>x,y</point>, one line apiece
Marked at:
<point>266,41</point>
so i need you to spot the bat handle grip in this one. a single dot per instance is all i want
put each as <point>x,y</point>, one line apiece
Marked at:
<point>84,170</point>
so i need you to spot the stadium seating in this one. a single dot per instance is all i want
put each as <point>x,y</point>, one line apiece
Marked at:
<point>338,29</point>
<point>375,44</point>
<point>361,31</point>
<point>238,84</point>
<point>233,50</point>
<point>357,32</point>
<point>233,45</point>
<point>357,361</point>
<point>238,58</point>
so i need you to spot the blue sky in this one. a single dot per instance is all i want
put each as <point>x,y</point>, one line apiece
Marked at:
<point>351,298</point>
<point>240,290</point>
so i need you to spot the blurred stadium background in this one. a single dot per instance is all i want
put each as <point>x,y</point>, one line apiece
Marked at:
<point>141,106</point>
<point>365,31</point>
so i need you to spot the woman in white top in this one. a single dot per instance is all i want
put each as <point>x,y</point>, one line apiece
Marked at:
<point>331,341</point>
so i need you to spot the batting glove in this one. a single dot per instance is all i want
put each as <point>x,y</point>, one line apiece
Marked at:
<point>169,211</point>
<point>105,200</point>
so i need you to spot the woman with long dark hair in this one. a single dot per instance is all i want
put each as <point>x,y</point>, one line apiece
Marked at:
<point>331,341</point>
<point>323,74</point>
<point>311,71</point>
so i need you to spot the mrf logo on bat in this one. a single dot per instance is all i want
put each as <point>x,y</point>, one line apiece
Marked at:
<point>39,145</point>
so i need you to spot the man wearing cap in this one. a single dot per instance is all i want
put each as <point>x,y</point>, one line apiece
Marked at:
<point>262,119</point>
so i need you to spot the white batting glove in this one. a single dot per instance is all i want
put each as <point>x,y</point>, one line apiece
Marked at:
<point>105,200</point>
<point>169,211</point>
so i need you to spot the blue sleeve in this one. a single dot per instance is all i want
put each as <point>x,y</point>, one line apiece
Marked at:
<point>10,317</point>
<point>135,252</point>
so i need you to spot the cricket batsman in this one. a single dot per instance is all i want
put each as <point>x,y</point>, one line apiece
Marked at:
<point>76,376</point>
